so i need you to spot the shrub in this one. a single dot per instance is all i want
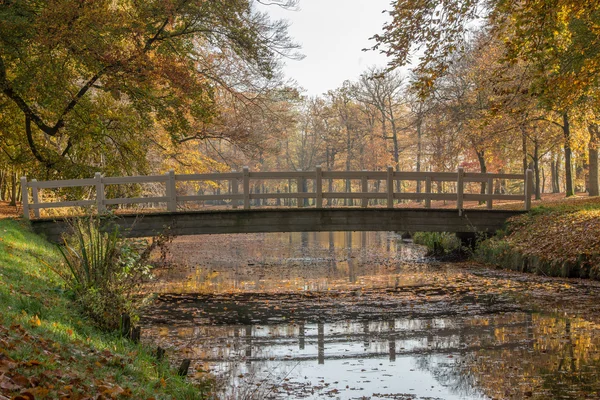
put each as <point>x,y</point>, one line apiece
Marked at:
<point>103,270</point>
<point>438,243</point>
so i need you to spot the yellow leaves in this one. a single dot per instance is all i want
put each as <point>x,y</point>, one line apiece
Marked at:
<point>35,321</point>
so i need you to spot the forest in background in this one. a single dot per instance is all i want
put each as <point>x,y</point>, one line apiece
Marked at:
<point>132,87</point>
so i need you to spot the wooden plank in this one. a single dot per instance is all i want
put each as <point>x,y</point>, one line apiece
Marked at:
<point>136,200</point>
<point>208,177</point>
<point>25,197</point>
<point>428,192</point>
<point>343,195</point>
<point>61,183</point>
<point>490,192</point>
<point>365,190</point>
<point>36,198</point>
<point>282,175</point>
<point>211,197</point>
<point>124,180</point>
<point>60,204</point>
<point>412,176</point>
<point>300,187</point>
<point>480,177</point>
<point>306,195</point>
<point>390,186</point>
<point>425,196</point>
<point>171,192</point>
<point>246,186</point>
<point>100,208</point>
<point>234,190</point>
<point>319,187</point>
<point>486,197</point>
<point>460,190</point>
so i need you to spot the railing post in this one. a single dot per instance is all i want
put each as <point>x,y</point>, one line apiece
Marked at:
<point>390,187</point>
<point>100,208</point>
<point>319,187</point>
<point>528,188</point>
<point>36,197</point>
<point>171,192</point>
<point>490,192</point>
<point>365,188</point>
<point>234,191</point>
<point>25,197</point>
<point>246,184</point>
<point>460,189</point>
<point>428,192</point>
<point>300,184</point>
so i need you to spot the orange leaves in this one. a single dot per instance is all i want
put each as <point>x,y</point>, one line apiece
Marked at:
<point>114,391</point>
<point>35,321</point>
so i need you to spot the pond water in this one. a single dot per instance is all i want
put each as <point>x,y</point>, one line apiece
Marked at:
<point>360,316</point>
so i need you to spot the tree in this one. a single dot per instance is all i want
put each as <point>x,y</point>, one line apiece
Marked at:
<point>83,74</point>
<point>558,40</point>
<point>384,91</point>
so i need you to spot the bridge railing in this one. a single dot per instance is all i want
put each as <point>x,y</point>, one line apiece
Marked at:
<point>240,195</point>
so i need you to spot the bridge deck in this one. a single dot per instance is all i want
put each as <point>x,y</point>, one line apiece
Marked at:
<point>297,220</point>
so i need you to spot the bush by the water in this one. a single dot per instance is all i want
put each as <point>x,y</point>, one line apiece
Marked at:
<point>104,270</point>
<point>441,244</point>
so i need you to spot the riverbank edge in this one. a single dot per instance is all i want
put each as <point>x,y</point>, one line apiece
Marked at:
<point>48,349</point>
<point>558,239</point>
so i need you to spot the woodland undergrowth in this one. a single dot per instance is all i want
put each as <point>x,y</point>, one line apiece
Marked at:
<point>555,239</point>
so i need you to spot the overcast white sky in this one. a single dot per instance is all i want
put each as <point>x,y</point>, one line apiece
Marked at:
<point>332,34</point>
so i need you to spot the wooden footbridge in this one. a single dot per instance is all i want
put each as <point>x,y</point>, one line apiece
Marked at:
<point>299,204</point>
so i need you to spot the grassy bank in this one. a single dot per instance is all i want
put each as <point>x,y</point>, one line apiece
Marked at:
<point>560,238</point>
<point>49,350</point>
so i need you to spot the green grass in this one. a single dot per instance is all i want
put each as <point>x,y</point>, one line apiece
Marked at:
<point>51,350</point>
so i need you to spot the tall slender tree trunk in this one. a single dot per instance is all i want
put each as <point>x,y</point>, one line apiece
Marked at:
<point>524,146</point>
<point>483,168</point>
<point>554,171</point>
<point>13,199</point>
<point>2,185</point>
<point>593,147</point>
<point>419,149</point>
<point>536,168</point>
<point>568,168</point>
<point>396,152</point>
<point>543,180</point>
<point>348,202</point>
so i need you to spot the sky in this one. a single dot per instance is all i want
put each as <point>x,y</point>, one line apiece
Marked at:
<point>332,34</point>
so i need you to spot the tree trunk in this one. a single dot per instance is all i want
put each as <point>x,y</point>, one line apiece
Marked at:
<point>543,180</point>
<point>483,168</point>
<point>13,199</point>
<point>568,171</point>
<point>593,146</point>
<point>536,169</point>
<point>2,185</point>
<point>419,149</point>
<point>554,171</point>
<point>524,140</point>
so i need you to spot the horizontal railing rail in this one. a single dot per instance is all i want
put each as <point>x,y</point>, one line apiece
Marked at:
<point>239,193</point>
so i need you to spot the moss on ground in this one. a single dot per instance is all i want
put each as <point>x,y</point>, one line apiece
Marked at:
<point>49,350</point>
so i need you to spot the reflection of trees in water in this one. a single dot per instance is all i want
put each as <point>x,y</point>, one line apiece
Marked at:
<point>555,358</point>
<point>502,356</point>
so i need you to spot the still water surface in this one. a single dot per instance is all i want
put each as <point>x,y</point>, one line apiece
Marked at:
<point>358,315</point>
